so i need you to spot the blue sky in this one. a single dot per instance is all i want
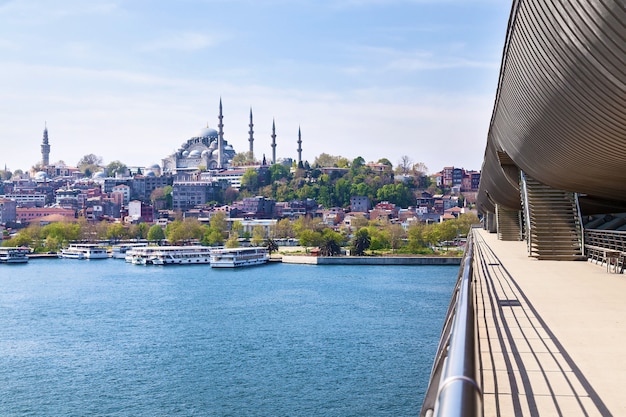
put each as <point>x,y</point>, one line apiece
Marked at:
<point>133,80</point>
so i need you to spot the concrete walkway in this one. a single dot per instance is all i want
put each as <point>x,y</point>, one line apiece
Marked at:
<point>551,334</point>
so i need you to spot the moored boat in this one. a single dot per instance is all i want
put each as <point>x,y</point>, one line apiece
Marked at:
<point>120,251</point>
<point>84,251</point>
<point>169,255</point>
<point>238,257</point>
<point>14,255</point>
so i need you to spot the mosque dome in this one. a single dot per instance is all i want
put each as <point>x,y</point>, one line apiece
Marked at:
<point>229,147</point>
<point>206,132</point>
<point>213,146</point>
<point>185,154</point>
<point>194,154</point>
<point>99,174</point>
<point>155,166</point>
<point>205,153</point>
<point>41,175</point>
<point>150,174</point>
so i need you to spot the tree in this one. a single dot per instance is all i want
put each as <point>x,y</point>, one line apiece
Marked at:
<point>271,246</point>
<point>278,172</point>
<point>116,231</point>
<point>156,233</point>
<point>404,165</point>
<point>250,180</point>
<point>116,167</point>
<point>232,242</point>
<point>419,169</point>
<point>243,158</point>
<point>360,242</point>
<point>309,237</point>
<point>331,243</point>
<point>282,229</point>
<point>218,222</point>
<point>89,164</point>
<point>258,235</point>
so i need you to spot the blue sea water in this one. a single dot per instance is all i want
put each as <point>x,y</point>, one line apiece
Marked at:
<point>107,338</point>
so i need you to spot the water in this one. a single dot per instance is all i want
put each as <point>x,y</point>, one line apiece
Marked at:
<point>109,338</point>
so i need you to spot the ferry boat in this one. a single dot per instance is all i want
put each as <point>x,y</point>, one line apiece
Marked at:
<point>169,255</point>
<point>119,251</point>
<point>14,255</point>
<point>238,257</point>
<point>84,251</point>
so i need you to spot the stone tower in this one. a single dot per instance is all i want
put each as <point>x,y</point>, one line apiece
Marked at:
<point>45,148</point>
<point>220,139</point>
<point>273,142</point>
<point>251,137</point>
<point>299,148</point>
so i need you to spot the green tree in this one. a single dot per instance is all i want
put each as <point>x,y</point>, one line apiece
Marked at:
<point>330,244</point>
<point>116,231</point>
<point>156,233</point>
<point>360,242</point>
<point>89,164</point>
<point>232,242</point>
<point>271,246</point>
<point>278,172</point>
<point>138,231</point>
<point>258,235</point>
<point>282,229</point>
<point>309,237</point>
<point>213,237</point>
<point>218,222</point>
<point>243,158</point>
<point>116,167</point>
<point>250,180</point>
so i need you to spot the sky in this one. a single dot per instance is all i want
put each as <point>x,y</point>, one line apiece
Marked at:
<point>132,80</point>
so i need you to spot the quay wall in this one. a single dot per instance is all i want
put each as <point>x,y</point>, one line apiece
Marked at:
<point>370,260</point>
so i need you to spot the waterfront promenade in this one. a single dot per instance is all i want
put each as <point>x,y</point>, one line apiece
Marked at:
<point>551,334</point>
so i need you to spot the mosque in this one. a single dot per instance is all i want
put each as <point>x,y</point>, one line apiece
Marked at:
<point>209,149</point>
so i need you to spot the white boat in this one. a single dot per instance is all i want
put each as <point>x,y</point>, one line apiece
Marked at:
<point>119,251</point>
<point>238,257</point>
<point>169,255</point>
<point>14,255</point>
<point>84,251</point>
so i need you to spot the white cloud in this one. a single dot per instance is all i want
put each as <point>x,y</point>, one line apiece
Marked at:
<point>183,41</point>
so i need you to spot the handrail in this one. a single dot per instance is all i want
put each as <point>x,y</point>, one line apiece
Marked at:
<point>526,207</point>
<point>453,390</point>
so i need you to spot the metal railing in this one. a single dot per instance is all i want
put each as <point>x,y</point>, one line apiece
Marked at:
<point>601,240</point>
<point>453,390</point>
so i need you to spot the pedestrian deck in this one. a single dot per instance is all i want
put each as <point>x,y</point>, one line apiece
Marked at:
<point>551,334</point>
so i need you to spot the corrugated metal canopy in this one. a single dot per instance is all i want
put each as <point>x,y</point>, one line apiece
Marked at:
<point>560,111</point>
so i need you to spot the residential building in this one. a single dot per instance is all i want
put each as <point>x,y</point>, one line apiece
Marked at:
<point>7,210</point>
<point>30,214</point>
<point>360,203</point>
<point>188,194</point>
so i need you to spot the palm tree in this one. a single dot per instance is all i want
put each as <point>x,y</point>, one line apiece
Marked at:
<point>361,242</point>
<point>329,247</point>
<point>271,246</point>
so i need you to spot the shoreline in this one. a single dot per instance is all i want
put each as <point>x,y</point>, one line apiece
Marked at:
<point>368,260</point>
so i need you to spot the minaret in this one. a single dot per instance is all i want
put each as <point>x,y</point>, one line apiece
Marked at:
<point>220,139</point>
<point>273,142</point>
<point>299,148</point>
<point>251,138</point>
<point>45,147</point>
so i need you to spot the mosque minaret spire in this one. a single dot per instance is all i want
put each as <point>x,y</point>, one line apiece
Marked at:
<point>299,148</point>
<point>251,138</point>
<point>220,139</point>
<point>45,147</point>
<point>273,142</point>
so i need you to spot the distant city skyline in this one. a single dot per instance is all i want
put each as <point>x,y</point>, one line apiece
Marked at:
<point>132,81</point>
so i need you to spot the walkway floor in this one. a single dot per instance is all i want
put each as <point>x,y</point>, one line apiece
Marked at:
<point>551,334</point>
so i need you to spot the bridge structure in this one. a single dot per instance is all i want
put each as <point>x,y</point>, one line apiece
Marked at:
<point>536,322</point>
